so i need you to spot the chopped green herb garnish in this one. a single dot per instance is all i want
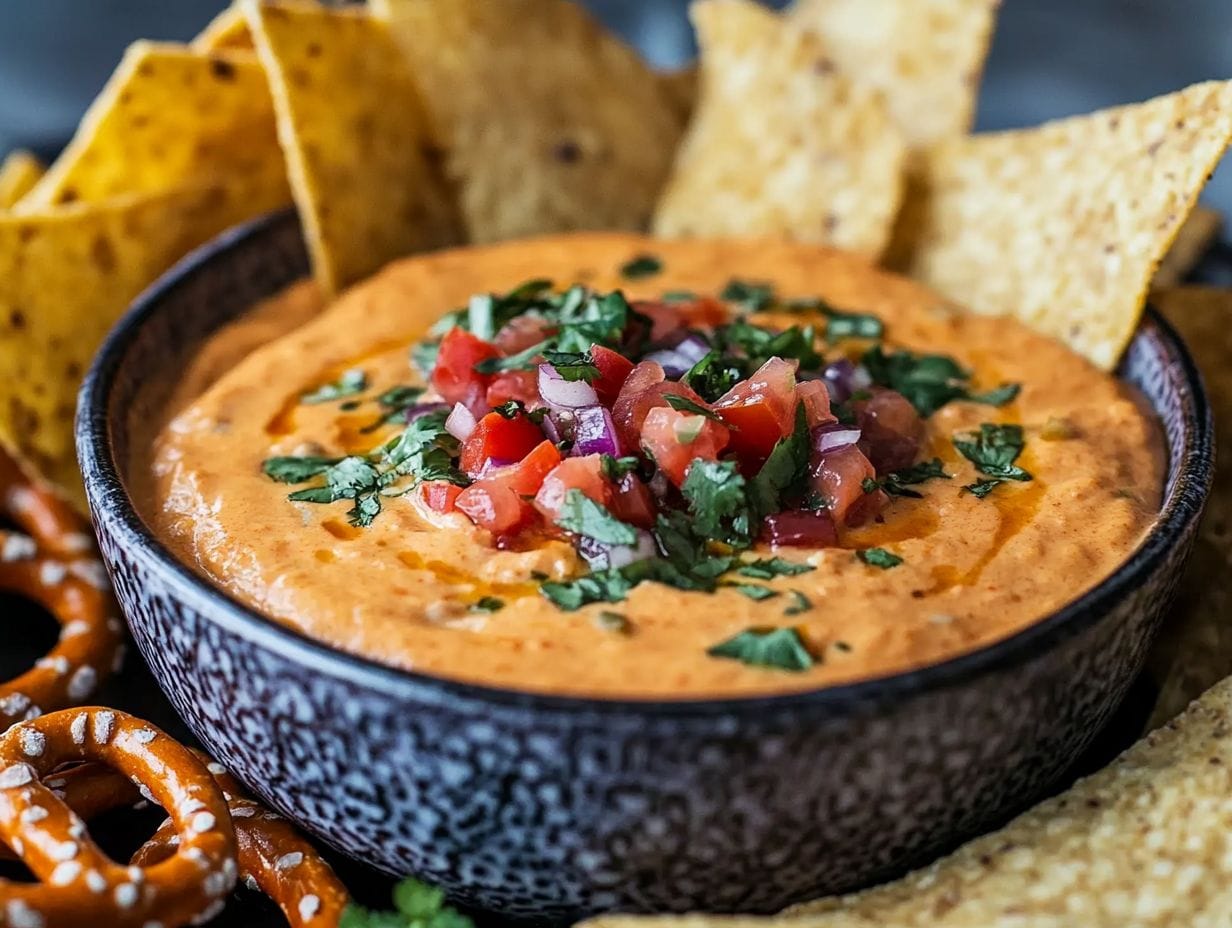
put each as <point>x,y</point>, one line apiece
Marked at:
<point>777,648</point>
<point>686,404</point>
<point>645,265</point>
<point>297,470</point>
<point>417,905</point>
<point>768,568</point>
<point>488,604</point>
<point>754,591</point>
<point>718,502</point>
<point>679,296</point>
<point>573,365</point>
<point>998,396</point>
<point>581,515</point>
<point>993,450</point>
<point>424,355</point>
<point>899,482</point>
<point>750,296</point>
<point>395,402</point>
<point>841,325</point>
<point>713,376</point>
<point>799,603</point>
<point>879,557</point>
<point>929,381</point>
<point>759,344</point>
<point>613,622</point>
<point>349,384</point>
<point>784,468</point>
<point>601,586</point>
<point>521,361</point>
<point>615,468</point>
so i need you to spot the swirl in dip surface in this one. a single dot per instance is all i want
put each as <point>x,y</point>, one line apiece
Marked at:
<point>404,589</point>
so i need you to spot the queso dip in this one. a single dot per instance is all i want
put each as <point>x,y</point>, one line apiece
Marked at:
<point>610,465</point>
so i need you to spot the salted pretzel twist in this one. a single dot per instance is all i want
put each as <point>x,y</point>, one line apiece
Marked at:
<point>78,882</point>
<point>51,562</point>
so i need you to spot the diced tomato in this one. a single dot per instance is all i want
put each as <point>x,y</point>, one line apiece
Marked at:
<point>838,476</point>
<point>495,505</point>
<point>454,377</point>
<point>614,369</point>
<point>676,439</point>
<point>498,441</point>
<point>800,528</point>
<point>664,317</point>
<point>891,431</point>
<point>816,399</point>
<point>644,389</point>
<point>760,410</point>
<point>582,473</point>
<point>520,332</point>
<point>522,386</point>
<point>705,312</point>
<point>439,495</point>
<point>526,476</point>
<point>633,503</point>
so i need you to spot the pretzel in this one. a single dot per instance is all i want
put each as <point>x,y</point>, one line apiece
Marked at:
<point>78,882</point>
<point>274,859</point>
<point>52,566</point>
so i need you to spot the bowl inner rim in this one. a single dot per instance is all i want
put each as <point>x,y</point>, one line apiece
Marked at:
<point>1184,496</point>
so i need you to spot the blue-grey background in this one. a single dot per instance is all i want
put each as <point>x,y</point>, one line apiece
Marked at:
<point>1050,58</point>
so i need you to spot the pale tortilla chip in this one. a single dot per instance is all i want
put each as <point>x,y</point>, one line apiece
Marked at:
<point>547,122</point>
<point>781,145</point>
<point>1144,842</point>
<point>1062,226</point>
<point>66,275</point>
<point>355,139</point>
<point>171,117</point>
<point>1195,647</point>
<point>926,56</point>
<point>19,172</point>
<point>228,31</point>
<point>1200,231</point>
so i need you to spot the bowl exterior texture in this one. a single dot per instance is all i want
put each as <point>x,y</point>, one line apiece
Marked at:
<point>551,809</point>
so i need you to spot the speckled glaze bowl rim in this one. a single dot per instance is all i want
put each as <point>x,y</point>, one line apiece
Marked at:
<point>110,502</point>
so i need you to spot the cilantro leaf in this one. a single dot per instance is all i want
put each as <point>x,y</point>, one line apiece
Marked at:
<point>760,344</point>
<point>899,482</point>
<point>615,468</point>
<point>644,265</point>
<point>982,488</point>
<point>424,355</point>
<point>993,450</point>
<point>417,906</point>
<point>754,591</point>
<point>296,469</point>
<point>777,648</point>
<point>715,491</point>
<point>768,568</point>
<point>784,468</point>
<point>686,404</point>
<point>750,296</point>
<point>713,376</point>
<point>487,604</point>
<point>799,603</point>
<point>520,361</point>
<point>929,381</point>
<point>601,586</point>
<point>349,384</point>
<point>581,515</point>
<point>999,396</point>
<point>394,402</point>
<point>879,557</point>
<point>679,296</point>
<point>573,365</point>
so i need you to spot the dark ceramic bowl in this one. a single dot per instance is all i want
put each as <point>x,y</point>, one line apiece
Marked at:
<point>554,808</point>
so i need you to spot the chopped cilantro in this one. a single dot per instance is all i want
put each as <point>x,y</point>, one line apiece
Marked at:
<point>394,402</point>
<point>417,905</point>
<point>613,622</point>
<point>840,325</point>
<point>424,355</point>
<point>777,648</point>
<point>750,296</point>
<point>879,557</point>
<point>754,591</point>
<point>784,468</point>
<point>521,361</point>
<point>760,344</point>
<point>601,586</point>
<point>713,376</point>
<point>799,603</point>
<point>993,451</point>
<point>488,604</point>
<point>998,396</point>
<point>645,265</point>
<point>581,515</point>
<point>573,365</point>
<point>899,482</point>
<point>349,384</point>
<point>481,316</point>
<point>715,491</point>
<point>929,381</point>
<point>679,296</point>
<point>297,470</point>
<point>768,568</point>
<point>615,468</point>
<point>685,404</point>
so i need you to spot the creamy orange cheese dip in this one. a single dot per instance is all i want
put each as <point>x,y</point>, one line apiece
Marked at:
<point>401,590</point>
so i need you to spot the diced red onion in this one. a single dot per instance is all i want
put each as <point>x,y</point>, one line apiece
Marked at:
<point>552,427</point>
<point>693,348</point>
<point>832,437</point>
<point>564,394</point>
<point>601,556</point>
<point>595,433</point>
<point>844,378</point>
<point>674,364</point>
<point>419,410</point>
<point>460,422</point>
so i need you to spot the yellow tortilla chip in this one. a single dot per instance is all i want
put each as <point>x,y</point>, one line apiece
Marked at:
<point>1195,648</point>
<point>1201,230</point>
<point>228,31</point>
<point>547,123</point>
<point>1142,843</point>
<point>355,139</point>
<point>1062,226</point>
<point>781,145</point>
<point>171,117</point>
<point>66,275</point>
<point>19,172</point>
<point>927,56</point>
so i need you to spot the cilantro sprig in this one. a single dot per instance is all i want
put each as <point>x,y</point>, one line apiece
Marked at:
<point>640,266</point>
<point>416,904</point>
<point>899,482</point>
<point>993,450</point>
<point>929,381</point>
<point>350,383</point>
<point>776,648</point>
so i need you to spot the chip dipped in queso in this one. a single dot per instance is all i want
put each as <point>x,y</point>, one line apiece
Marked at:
<point>610,465</point>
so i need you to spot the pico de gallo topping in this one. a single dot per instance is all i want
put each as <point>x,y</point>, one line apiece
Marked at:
<point>663,438</point>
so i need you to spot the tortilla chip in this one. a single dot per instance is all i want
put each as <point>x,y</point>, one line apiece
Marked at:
<point>355,139</point>
<point>66,275</point>
<point>228,31</point>
<point>1062,226</point>
<point>680,89</point>
<point>19,172</point>
<point>1143,843</point>
<point>171,117</point>
<point>781,145</point>
<point>1195,648</point>
<point>1200,231</point>
<point>926,56</point>
<point>547,122</point>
